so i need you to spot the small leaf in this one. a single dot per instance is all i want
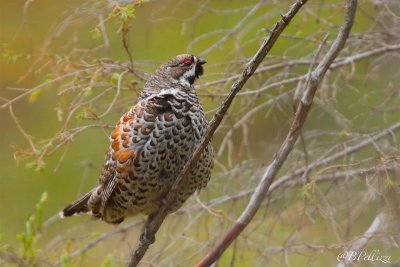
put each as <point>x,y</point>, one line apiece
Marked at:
<point>110,261</point>
<point>37,165</point>
<point>307,190</point>
<point>115,78</point>
<point>80,115</point>
<point>299,33</point>
<point>344,133</point>
<point>389,182</point>
<point>64,260</point>
<point>95,33</point>
<point>127,12</point>
<point>30,164</point>
<point>34,95</point>
<point>10,56</point>
<point>86,113</point>
<point>60,114</point>
<point>87,91</point>
<point>43,197</point>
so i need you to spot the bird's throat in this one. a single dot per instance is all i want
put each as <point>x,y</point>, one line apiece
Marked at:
<point>191,75</point>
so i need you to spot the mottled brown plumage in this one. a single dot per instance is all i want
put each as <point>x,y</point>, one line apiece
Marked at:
<point>150,145</point>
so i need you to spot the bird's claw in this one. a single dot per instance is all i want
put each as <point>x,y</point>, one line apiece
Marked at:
<point>147,238</point>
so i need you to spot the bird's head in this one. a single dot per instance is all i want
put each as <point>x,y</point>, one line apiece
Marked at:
<point>185,68</point>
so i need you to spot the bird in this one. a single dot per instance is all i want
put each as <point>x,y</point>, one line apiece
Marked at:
<point>149,147</point>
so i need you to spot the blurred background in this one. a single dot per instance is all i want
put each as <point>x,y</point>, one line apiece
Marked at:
<point>59,70</point>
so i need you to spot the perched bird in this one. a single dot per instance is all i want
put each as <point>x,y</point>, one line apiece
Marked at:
<point>149,147</point>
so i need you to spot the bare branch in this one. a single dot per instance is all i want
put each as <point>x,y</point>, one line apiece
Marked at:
<point>27,136</point>
<point>116,95</point>
<point>287,146</point>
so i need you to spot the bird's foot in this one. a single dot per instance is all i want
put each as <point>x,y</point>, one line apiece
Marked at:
<point>147,238</point>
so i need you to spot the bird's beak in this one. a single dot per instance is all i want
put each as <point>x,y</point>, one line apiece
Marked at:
<point>201,61</point>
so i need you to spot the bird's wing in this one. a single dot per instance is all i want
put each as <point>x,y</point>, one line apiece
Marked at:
<point>128,140</point>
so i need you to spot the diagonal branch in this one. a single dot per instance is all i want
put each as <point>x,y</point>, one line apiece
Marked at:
<point>154,222</point>
<point>287,146</point>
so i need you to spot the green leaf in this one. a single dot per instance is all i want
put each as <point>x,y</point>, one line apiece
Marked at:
<point>60,114</point>
<point>39,211</point>
<point>127,12</point>
<point>34,95</point>
<point>307,191</point>
<point>389,182</point>
<point>37,165</point>
<point>95,33</point>
<point>10,56</point>
<point>115,78</point>
<point>29,237</point>
<point>87,91</point>
<point>64,260</point>
<point>344,133</point>
<point>110,261</point>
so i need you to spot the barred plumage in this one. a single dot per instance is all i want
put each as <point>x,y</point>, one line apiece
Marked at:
<point>150,145</point>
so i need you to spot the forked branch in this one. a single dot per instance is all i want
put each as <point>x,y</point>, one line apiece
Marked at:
<point>154,222</point>
<point>280,157</point>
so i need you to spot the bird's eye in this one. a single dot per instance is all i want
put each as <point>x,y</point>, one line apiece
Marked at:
<point>187,61</point>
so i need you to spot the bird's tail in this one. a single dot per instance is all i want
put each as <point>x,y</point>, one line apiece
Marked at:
<point>78,206</point>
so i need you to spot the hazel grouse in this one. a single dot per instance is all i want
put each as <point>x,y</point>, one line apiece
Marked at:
<point>149,147</point>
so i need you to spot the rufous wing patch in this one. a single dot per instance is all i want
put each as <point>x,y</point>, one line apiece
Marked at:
<point>123,155</point>
<point>120,136</point>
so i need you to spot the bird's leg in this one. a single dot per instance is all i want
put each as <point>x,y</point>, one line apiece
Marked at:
<point>147,237</point>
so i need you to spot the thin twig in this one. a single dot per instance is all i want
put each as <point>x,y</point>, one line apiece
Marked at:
<point>27,92</point>
<point>339,62</point>
<point>237,27</point>
<point>27,136</point>
<point>98,239</point>
<point>116,94</point>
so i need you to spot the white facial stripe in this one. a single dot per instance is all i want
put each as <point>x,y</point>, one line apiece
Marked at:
<point>190,73</point>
